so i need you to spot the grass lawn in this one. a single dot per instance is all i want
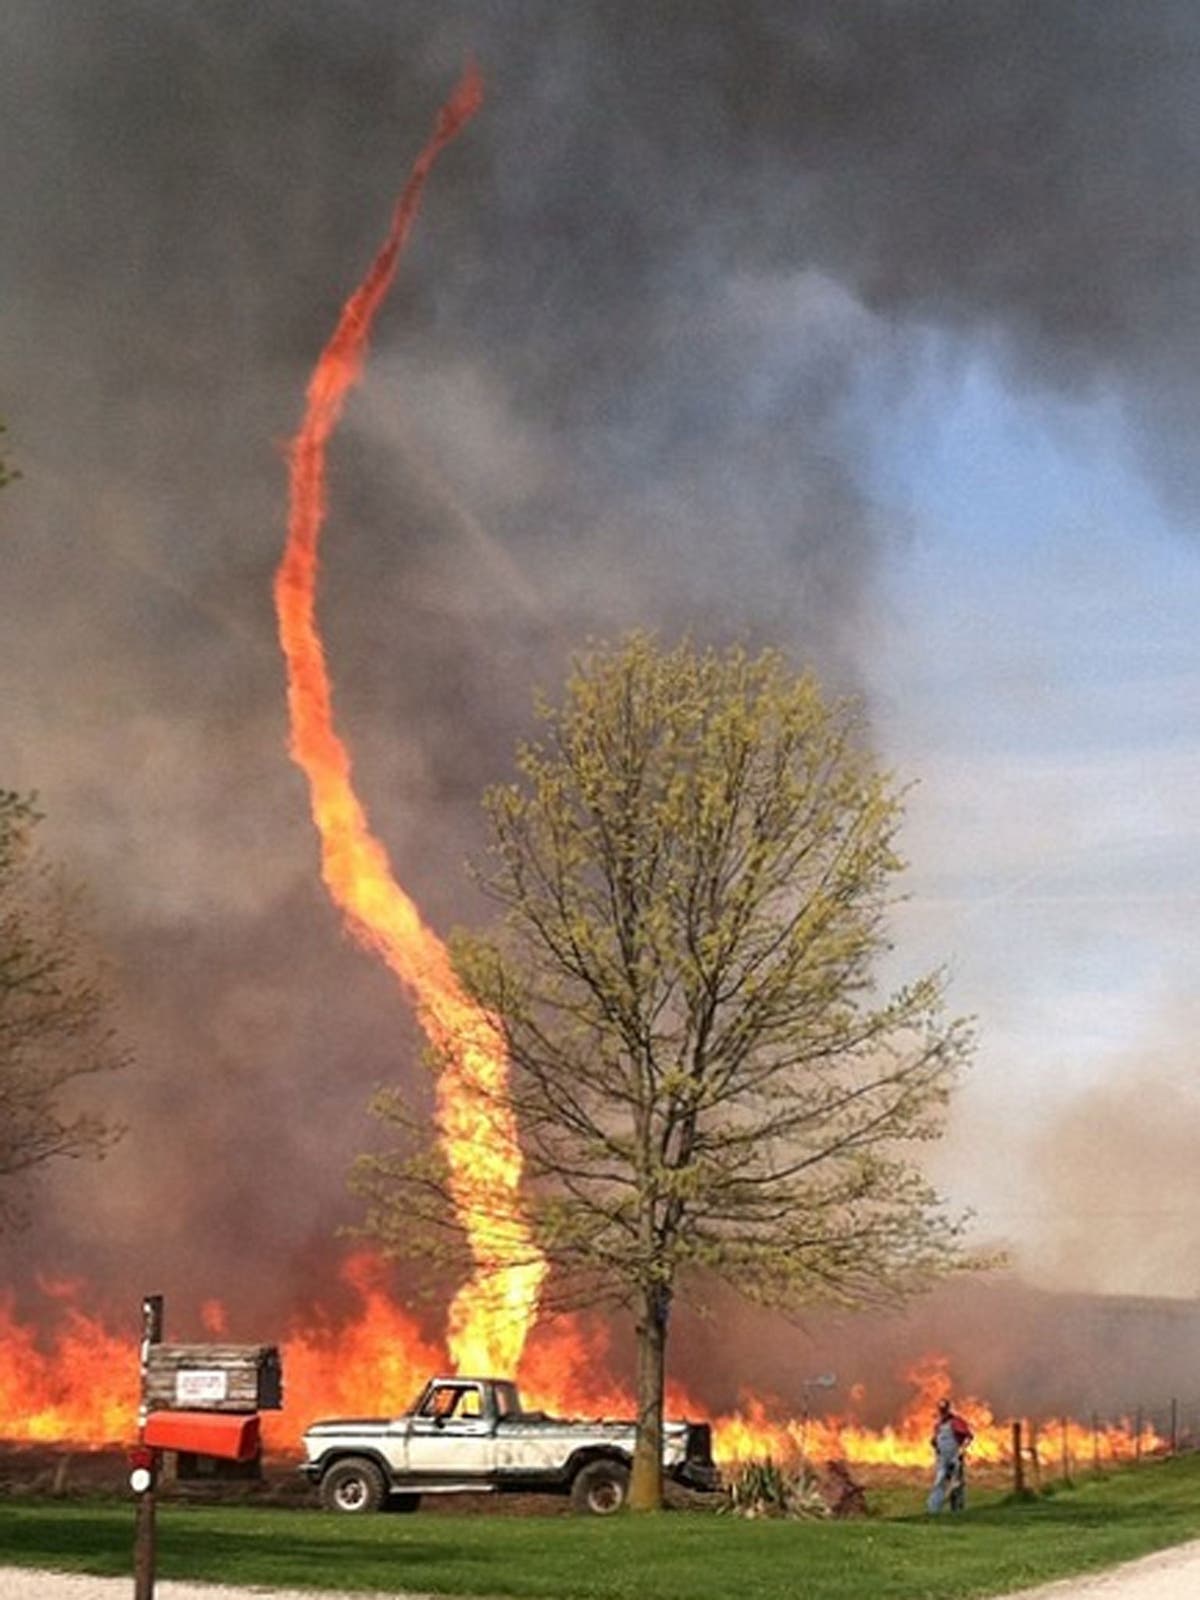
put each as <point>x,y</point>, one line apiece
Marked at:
<point>902,1555</point>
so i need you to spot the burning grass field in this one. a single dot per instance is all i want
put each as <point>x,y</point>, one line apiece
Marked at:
<point>897,1554</point>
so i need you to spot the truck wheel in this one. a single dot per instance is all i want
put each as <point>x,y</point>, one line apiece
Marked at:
<point>353,1485</point>
<point>600,1488</point>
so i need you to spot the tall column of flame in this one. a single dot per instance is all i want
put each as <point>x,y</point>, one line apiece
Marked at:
<point>491,1315</point>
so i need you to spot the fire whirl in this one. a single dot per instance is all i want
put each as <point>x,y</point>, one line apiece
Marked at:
<point>490,1316</point>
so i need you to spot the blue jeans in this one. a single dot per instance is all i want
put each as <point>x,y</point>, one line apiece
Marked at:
<point>949,1479</point>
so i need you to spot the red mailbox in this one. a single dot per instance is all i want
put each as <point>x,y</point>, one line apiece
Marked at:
<point>204,1433</point>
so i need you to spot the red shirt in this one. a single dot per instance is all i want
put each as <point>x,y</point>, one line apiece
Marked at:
<point>962,1429</point>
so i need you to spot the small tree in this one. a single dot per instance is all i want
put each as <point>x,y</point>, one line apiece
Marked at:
<point>53,1008</point>
<point>694,871</point>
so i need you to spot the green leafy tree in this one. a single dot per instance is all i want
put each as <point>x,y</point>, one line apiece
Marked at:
<point>694,871</point>
<point>53,1014</point>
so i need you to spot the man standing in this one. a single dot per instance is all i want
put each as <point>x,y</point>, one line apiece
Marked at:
<point>951,1436</point>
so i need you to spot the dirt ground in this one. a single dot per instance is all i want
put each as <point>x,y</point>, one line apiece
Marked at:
<point>76,1474</point>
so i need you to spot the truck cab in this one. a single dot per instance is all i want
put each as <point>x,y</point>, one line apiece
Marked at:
<point>453,1425</point>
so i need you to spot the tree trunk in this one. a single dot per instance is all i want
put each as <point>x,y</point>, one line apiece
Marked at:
<point>646,1485</point>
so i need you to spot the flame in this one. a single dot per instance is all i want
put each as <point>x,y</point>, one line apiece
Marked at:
<point>77,1382</point>
<point>82,1389</point>
<point>490,1316</point>
<point>753,1434</point>
<point>371,1366</point>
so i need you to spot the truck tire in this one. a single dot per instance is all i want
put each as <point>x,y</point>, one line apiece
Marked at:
<point>353,1485</point>
<point>600,1488</point>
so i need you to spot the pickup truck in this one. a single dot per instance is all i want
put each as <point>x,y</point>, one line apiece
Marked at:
<point>472,1435</point>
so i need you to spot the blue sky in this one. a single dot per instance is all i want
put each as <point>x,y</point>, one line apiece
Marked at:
<point>1036,670</point>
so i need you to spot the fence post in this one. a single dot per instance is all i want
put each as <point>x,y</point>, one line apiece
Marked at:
<point>1174,1427</point>
<point>1018,1462</point>
<point>1035,1459</point>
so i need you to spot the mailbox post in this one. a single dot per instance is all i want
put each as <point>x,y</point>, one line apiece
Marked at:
<point>144,1476</point>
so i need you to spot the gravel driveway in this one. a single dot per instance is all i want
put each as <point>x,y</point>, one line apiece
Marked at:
<point>19,1583</point>
<point>1169,1575</point>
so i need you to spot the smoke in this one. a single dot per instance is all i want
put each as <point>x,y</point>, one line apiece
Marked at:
<point>618,384</point>
<point>1027,1351</point>
<point>1114,1182</point>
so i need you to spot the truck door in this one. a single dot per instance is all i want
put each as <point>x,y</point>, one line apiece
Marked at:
<point>453,1434</point>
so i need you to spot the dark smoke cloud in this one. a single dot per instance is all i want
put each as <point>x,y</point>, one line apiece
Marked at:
<point>613,386</point>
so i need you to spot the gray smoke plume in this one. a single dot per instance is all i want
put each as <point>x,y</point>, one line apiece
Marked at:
<point>614,385</point>
<point>1114,1181</point>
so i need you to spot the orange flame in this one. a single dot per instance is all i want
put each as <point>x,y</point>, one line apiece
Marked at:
<point>752,1434</point>
<point>83,1390</point>
<point>490,1316</point>
<point>77,1384</point>
<point>372,1366</point>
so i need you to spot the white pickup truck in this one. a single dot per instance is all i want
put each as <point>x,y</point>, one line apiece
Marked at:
<point>472,1435</point>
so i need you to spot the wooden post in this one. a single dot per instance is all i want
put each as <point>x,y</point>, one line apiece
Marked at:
<point>1137,1437</point>
<point>1035,1459</point>
<point>144,1529</point>
<point>1018,1461</point>
<point>144,1545</point>
<point>1174,1427</point>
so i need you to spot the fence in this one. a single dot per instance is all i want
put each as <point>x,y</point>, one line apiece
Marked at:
<point>1044,1451</point>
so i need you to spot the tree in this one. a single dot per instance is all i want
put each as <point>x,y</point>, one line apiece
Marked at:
<point>53,1010</point>
<point>694,871</point>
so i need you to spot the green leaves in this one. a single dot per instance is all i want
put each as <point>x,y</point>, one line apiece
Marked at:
<point>53,1013</point>
<point>693,870</point>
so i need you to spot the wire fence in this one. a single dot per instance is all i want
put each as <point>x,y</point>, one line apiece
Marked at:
<point>1177,1424</point>
<point>1044,1451</point>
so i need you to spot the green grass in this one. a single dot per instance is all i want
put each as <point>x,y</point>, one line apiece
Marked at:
<point>997,1545</point>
